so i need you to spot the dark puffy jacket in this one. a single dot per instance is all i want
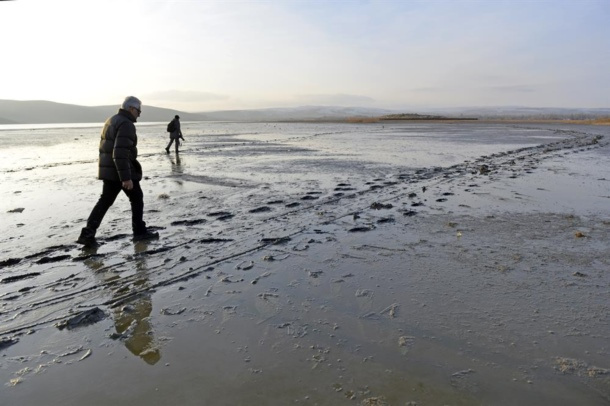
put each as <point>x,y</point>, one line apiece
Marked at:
<point>118,149</point>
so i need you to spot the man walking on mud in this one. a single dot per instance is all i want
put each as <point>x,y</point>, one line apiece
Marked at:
<point>119,169</point>
<point>175,134</point>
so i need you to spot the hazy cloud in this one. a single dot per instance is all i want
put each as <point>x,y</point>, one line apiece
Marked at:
<point>185,96</point>
<point>335,99</point>
<point>515,88</point>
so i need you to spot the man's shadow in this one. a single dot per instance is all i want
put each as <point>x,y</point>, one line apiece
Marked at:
<point>132,317</point>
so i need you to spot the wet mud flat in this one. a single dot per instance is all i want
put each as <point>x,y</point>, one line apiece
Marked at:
<point>481,282</point>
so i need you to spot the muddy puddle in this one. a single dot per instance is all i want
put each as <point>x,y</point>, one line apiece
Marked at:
<point>329,264</point>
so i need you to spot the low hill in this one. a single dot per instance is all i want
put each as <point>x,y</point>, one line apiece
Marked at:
<point>47,112</point>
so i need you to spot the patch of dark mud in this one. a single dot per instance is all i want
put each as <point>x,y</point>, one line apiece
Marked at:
<point>17,210</point>
<point>221,215</point>
<point>291,205</point>
<point>82,319</point>
<point>115,237</point>
<point>214,240</point>
<point>360,229</point>
<point>16,278</point>
<point>9,262</point>
<point>154,251</point>
<point>262,209</point>
<point>386,220</point>
<point>275,202</point>
<point>409,213</point>
<point>188,222</point>
<point>6,342</point>
<point>48,260</point>
<point>441,200</point>
<point>275,241</point>
<point>380,206</point>
<point>309,197</point>
<point>50,250</point>
<point>218,213</point>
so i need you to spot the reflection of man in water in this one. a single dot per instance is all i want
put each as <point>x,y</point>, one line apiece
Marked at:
<point>176,165</point>
<point>132,320</point>
<point>132,317</point>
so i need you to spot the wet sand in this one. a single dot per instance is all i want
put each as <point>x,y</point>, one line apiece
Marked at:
<point>292,271</point>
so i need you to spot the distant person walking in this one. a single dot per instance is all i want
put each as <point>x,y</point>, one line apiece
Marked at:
<point>119,169</point>
<point>175,134</point>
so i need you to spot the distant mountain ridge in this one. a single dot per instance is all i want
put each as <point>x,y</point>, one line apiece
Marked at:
<point>47,112</point>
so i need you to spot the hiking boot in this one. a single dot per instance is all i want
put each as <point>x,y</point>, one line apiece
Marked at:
<point>148,235</point>
<point>87,238</point>
<point>167,150</point>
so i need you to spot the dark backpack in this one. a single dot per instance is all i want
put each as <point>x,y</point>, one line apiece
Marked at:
<point>171,126</point>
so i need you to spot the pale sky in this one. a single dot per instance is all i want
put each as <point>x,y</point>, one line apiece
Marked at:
<point>216,55</point>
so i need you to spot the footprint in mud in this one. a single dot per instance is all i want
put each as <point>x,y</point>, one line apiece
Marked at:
<point>442,199</point>
<point>16,278</point>
<point>275,202</point>
<point>115,237</point>
<point>9,262</point>
<point>375,187</point>
<point>416,204</point>
<point>309,197</point>
<point>48,260</point>
<point>344,187</point>
<point>214,240</point>
<point>386,220</point>
<point>409,213</point>
<point>262,209</point>
<point>380,206</point>
<point>295,204</point>
<point>218,213</point>
<point>360,229</point>
<point>221,215</point>
<point>448,194</point>
<point>188,222</point>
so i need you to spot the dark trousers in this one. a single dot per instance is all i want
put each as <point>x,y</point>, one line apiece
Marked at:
<point>109,194</point>
<point>171,140</point>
